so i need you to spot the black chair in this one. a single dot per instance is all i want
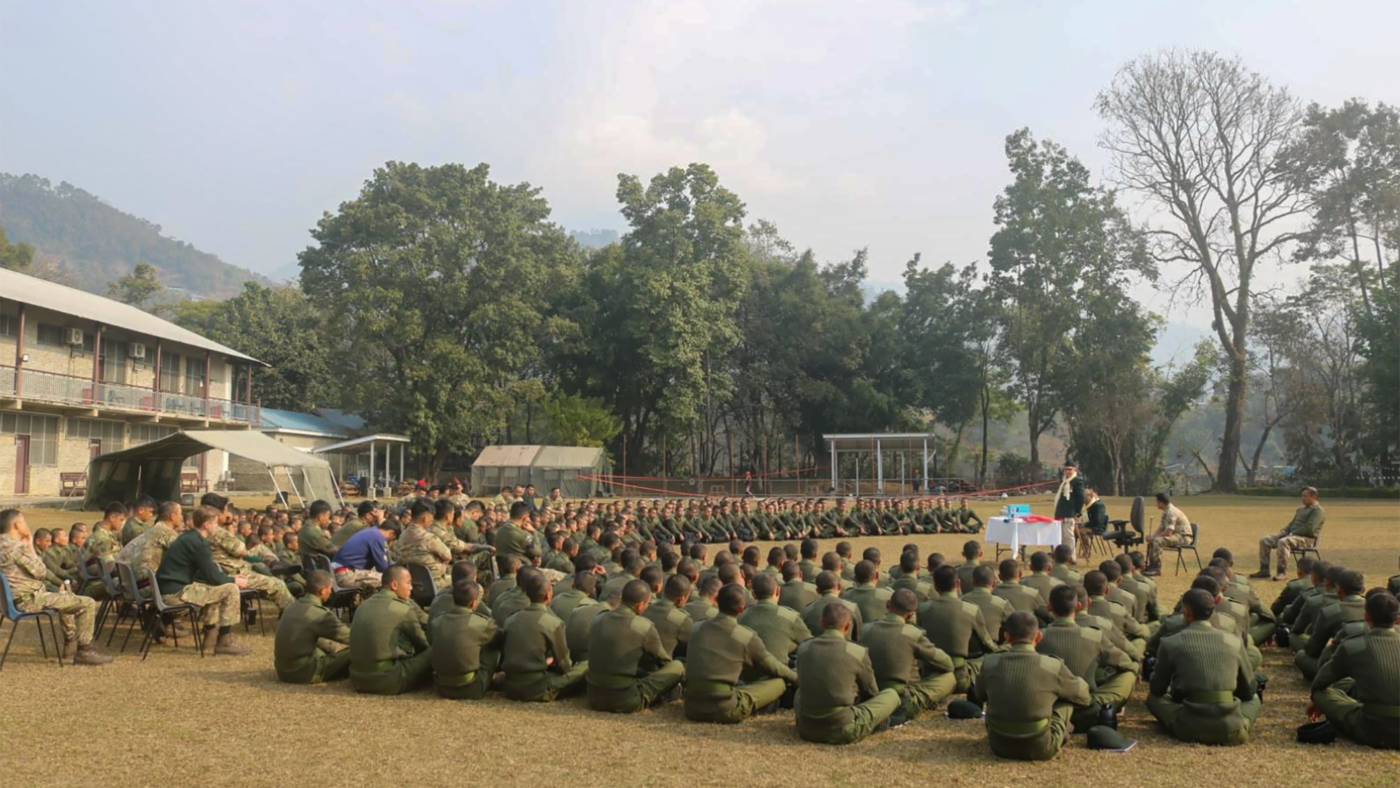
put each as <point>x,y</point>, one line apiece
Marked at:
<point>1129,533</point>
<point>424,588</point>
<point>16,618</point>
<point>1181,550</point>
<point>160,610</point>
<point>86,576</point>
<point>343,599</point>
<point>130,603</point>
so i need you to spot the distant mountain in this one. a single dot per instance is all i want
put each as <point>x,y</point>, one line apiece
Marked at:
<point>594,239</point>
<point>94,243</point>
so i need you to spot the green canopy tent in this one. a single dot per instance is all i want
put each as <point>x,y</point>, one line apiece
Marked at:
<point>578,471</point>
<point>154,468</point>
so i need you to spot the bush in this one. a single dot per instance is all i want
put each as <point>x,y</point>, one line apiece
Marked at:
<point>1325,492</point>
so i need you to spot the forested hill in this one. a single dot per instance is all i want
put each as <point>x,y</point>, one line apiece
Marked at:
<point>94,244</point>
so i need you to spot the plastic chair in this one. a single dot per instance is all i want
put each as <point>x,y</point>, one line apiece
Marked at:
<point>127,605</point>
<point>86,576</point>
<point>1181,550</point>
<point>16,618</point>
<point>424,587</point>
<point>164,612</point>
<point>342,598</point>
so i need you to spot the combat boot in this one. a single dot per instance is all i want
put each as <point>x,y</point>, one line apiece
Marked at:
<point>84,655</point>
<point>227,646</point>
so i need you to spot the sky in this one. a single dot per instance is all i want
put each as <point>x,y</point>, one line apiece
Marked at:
<point>853,124</point>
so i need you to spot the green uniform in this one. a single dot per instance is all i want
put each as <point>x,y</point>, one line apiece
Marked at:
<point>1042,583</point>
<point>965,571</point>
<point>834,674</point>
<point>389,653</point>
<point>870,599</point>
<point>1290,592</point>
<point>564,604</point>
<point>418,545</point>
<point>464,659</point>
<point>1359,688</point>
<point>533,637</point>
<point>1065,574</point>
<point>311,540</point>
<point>905,660</point>
<point>701,609</point>
<point>1030,698</point>
<point>342,534</point>
<point>797,594</point>
<point>1122,620</point>
<point>717,654</point>
<point>673,624</point>
<point>968,520</point>
<point>959,629</point>
<point>298,651</point>
<point>133,528</point>
<point>1329,625</point>
<point>511,539</point>
<point>780,628</point>
<point>1023,598</point>
<point>994,609</point>
<point>1203,688</point>
<point>812,614</point>
<point>1087,652</point>
<point>579,626</point>
<point>922,589</point>
<point>628,667</point>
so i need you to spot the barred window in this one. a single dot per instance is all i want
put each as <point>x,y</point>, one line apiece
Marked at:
<point>111,433</point>
<point>42,432</point>
<point>142,434</point>
<point>50,334</point>
<point>9,325</point>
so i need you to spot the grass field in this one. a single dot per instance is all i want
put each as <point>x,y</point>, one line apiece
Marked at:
<point>178,720</point>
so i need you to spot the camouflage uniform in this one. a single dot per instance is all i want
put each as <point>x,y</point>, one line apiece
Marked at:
<point>25,570</point>
<point>231,555</point>
<point>101,548</point>
<point>145,551</point>
<point>419,546</point>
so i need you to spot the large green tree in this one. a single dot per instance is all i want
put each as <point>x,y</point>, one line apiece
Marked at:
<point>282,327</point>
<point>15,257</point>
<point>138,287</point>
<point>434,279</point>
<point>1061,246</point>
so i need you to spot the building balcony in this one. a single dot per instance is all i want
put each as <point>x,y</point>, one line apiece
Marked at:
<point>71,393</point>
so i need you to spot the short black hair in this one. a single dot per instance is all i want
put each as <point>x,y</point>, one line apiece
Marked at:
<point>1207,584</point>
<point>534,584</point>
<point>146,502</point>
<point>1111,570</point>
<point>587,582</point>
<point>519,508</point>
<point>1063,554</point>
<point>1020,626</point>
<point>318,507</point>
<point>677,587</point>
<point>982,576</point>
<point>115,507</point>
<point>1163,498</point>
<point>463,570</point>
<point>1351,583</point>
<point>419,508</point>
<point>971,548</point>
<point>764,586</point>
<point>366,507</point>
<point>731,599</point>
<point>945,579</point>
<point>835,616</point>
<point>1063,598</point>
<point>1381,609</point>
<point>864,572</point>
<point>1007,569</point>
<point>809,548</point>
<point>465,592</point>
<point>791,571</point>
<point>635,592</point>
<point>1095,583</point>
<point>1200,602</point>
<point>903,602</point>
<point>318,580</point>
<point>827,581</point>
<point>1040,561</point>
<point>220,502</point>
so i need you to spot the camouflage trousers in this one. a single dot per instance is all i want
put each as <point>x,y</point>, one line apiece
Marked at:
<point>271,589</point>
<point>76,614</point>
<point>367,580</point>
<point>1155,546</point>
<point>218,605</point>
<point>1281,545</point>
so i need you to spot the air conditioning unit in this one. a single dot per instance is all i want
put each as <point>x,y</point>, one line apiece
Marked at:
<point>138,350</point>
<point>75,336</point>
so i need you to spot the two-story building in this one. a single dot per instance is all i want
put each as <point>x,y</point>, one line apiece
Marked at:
<point>82,375</point>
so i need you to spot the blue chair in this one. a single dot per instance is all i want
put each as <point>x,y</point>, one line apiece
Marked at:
<point>16,618</point>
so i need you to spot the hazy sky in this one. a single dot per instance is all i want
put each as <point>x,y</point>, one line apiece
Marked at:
<point>236,124</point>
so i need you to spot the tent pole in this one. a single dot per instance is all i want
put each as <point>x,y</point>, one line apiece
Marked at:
<point>386,461</point>
<point>373,493</point>
<point>273,476</point>
<point>292,481</point>
<point>335,487</point>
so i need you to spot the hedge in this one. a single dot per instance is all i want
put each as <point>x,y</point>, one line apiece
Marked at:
<point>1326,492</point>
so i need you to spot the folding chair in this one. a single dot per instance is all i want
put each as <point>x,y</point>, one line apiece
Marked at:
<point>16,618</point>
<point>159,609</point>
<point>1181,550</point>
<point>1300,553</point>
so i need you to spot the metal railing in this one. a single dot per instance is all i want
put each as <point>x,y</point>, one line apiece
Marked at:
<point>82,392</point>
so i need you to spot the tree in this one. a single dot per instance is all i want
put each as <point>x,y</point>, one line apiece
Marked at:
<point>580,421</point>
<point>277,325</point>
<point>1348,161</point>
<point>1061,243</point>
<point>138,287</point>
<point>936,328</point>
<point>434,281</point>
<point>1378,344</point>
<point>15,257</point>
<point>1205,140</point>
<point>1277,332</point>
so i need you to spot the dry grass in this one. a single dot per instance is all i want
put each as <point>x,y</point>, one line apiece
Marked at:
<point>177,720</point>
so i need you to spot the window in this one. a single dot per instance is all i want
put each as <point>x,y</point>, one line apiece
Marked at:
<point>170,372</point>
<point>142,434</point>
<point>114,362</point>
<point>111,433</point>
<point>42,432</point>
<point>9,325</point>
<point>194,378</point>
<point>50,334</point>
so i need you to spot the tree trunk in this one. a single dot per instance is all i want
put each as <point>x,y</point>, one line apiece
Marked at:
<point>1032,423</point>
<point>986,416</point>
<point>1234,418</point>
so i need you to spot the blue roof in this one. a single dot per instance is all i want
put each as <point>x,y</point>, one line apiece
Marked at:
<point>348,420</point>
<point>273,420</point>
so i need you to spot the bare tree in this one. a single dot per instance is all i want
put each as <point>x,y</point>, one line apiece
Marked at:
<point>1201,137</point>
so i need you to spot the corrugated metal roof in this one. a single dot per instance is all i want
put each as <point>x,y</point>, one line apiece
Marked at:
<point>273,420</point>
<point>568,457</point>
<point>506,456</point>
<point>349,420</point>
<point>89,306</point>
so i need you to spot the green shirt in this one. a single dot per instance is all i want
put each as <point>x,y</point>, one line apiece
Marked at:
<point>385,629</point>
<point>624,644</point>
<point>188,561</point>
<point>459,635</point>
<point>533,636</point>
<point>302,624</point>
<point>1307,521</point>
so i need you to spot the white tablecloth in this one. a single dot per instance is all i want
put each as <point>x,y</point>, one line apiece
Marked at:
<point>1017,533</point>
